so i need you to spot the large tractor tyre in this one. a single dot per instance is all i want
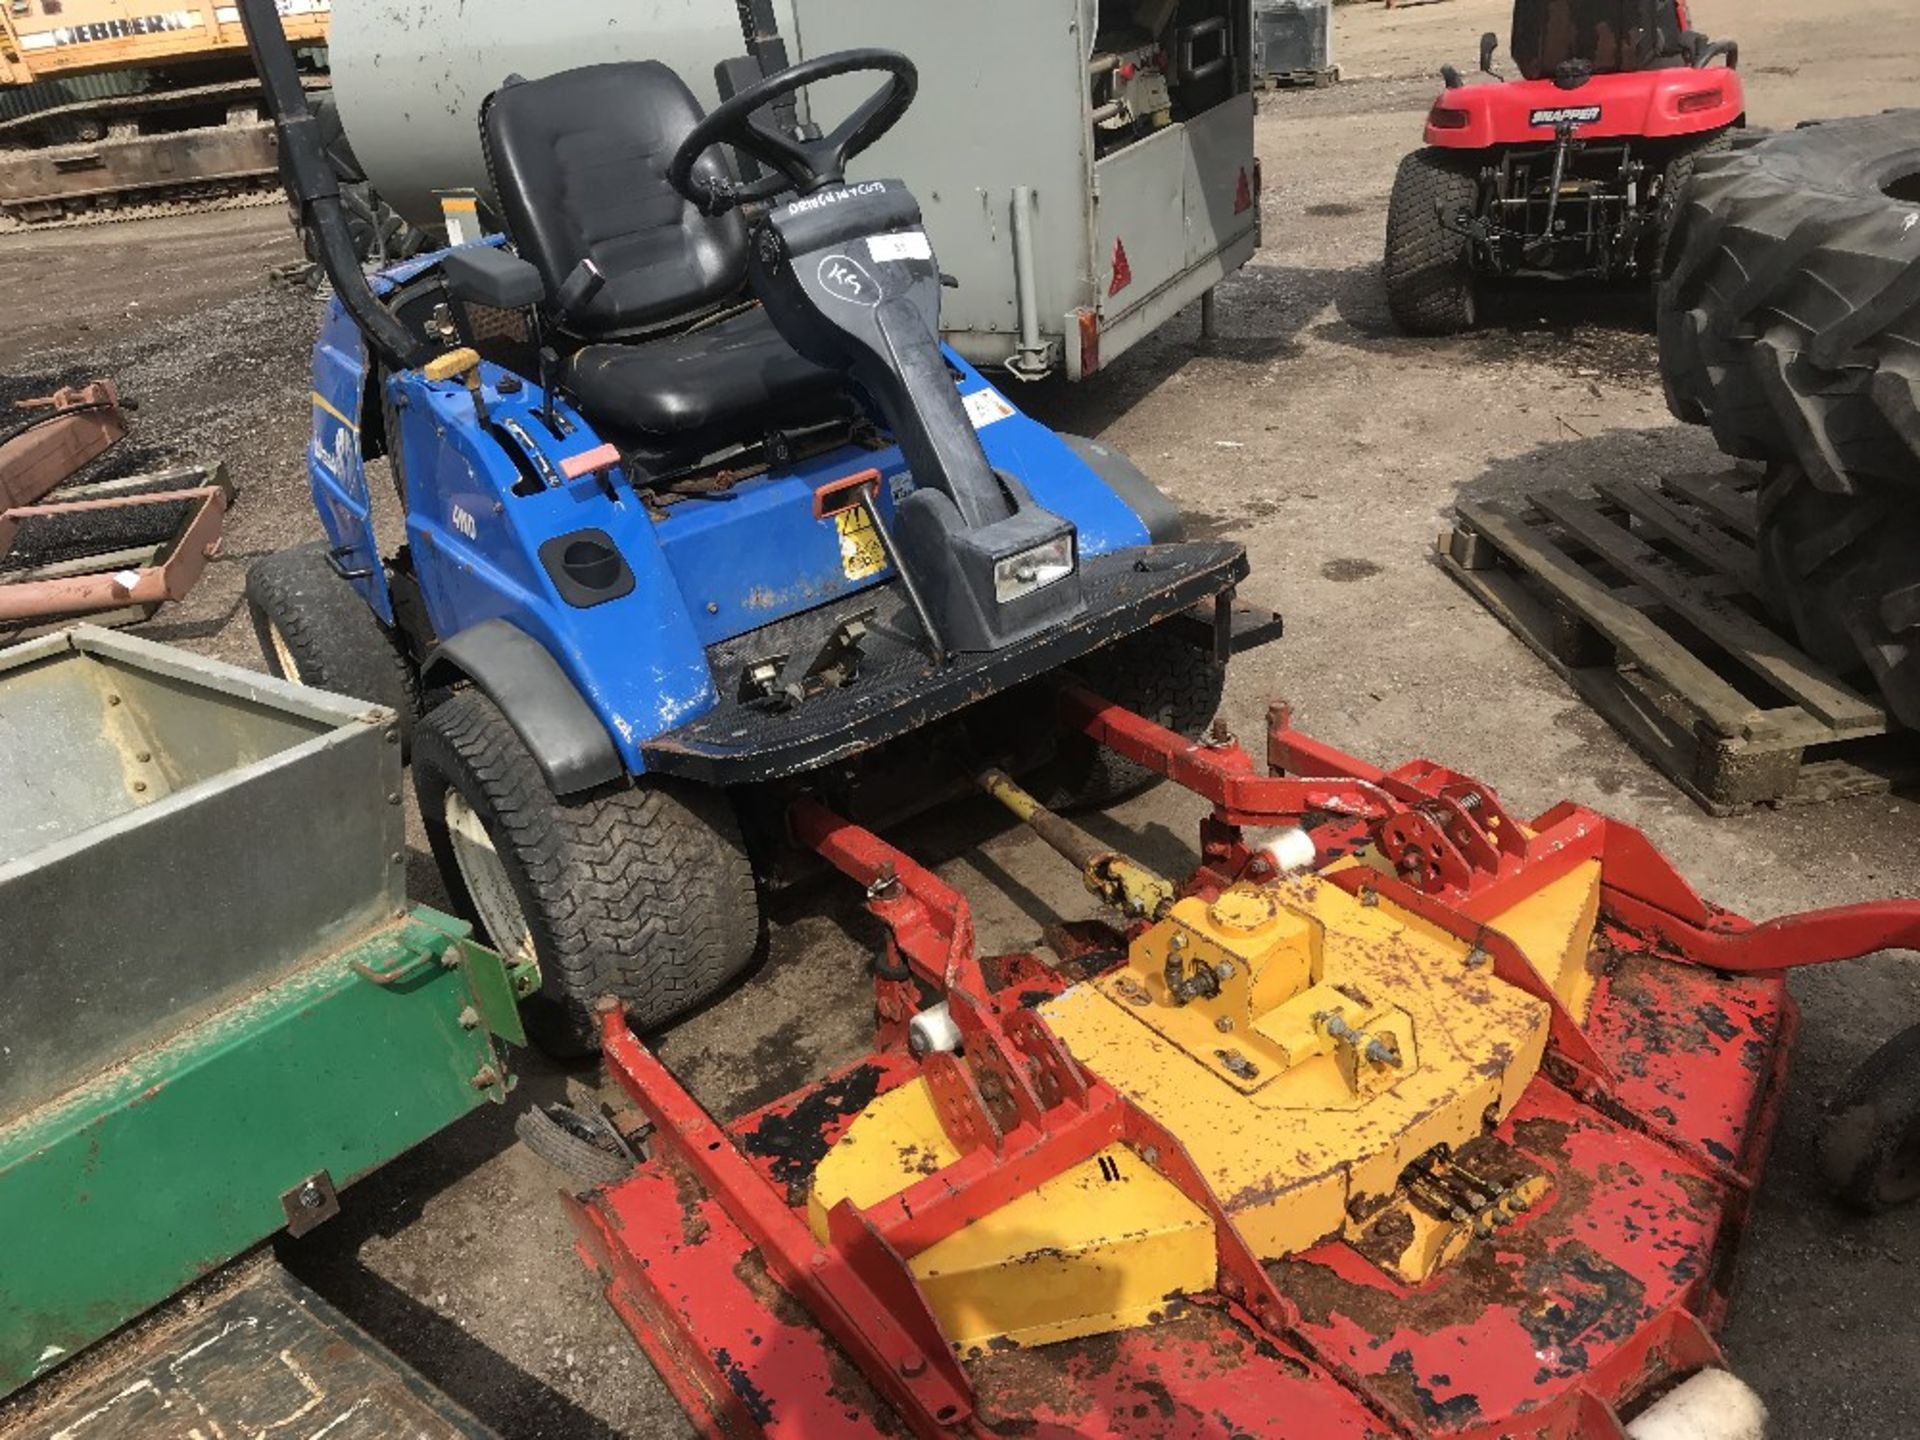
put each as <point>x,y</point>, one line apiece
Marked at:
<point>639,890</point>
<point>1790,315</point>
<point>380,235</point>
<point>1153,673</point>
<point>1870,1148</point>
<point>315,630</point>
<point>1431,288</point>
<point>1844,571</point>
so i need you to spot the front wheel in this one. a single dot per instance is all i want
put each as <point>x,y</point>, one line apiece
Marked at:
<point>1153,673</point>
<point>641,890</point>
<point>1431,288</point>
<point>1870,1149</point>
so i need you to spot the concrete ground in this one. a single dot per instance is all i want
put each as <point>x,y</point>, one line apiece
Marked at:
<point>1334,449</point>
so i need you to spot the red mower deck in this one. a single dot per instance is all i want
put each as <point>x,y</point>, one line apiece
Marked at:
<point>1651,1122</point>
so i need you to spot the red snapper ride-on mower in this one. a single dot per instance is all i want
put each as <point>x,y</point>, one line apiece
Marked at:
<point>1574,170</point>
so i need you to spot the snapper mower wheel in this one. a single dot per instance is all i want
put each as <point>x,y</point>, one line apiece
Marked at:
<point>1676,179</point>
<point>316,631</point>
<point>641,889</point>
<point>1431,289</point>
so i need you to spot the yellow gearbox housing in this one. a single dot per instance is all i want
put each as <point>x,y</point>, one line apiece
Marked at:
<point>1333,1065</point>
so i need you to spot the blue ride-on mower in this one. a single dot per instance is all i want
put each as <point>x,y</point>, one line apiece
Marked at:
<point>698,513</point>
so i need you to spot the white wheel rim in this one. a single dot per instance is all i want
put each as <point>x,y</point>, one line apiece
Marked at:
<point>283,654</point>
<point>484,874</point>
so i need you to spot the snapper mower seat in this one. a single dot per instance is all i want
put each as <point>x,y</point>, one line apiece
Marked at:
<point>1610,37</point>
<point>671,363</point>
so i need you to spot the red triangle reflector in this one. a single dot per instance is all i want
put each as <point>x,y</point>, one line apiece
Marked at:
<point>1122,271</point>
<point>1243,197</point>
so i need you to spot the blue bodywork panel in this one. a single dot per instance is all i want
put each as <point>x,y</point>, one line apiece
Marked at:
<point>706,569</point>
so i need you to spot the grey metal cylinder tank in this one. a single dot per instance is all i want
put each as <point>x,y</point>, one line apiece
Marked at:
<point>410,74</point>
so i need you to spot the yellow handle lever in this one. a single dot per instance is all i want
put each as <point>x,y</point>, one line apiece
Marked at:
<point>452,365</point>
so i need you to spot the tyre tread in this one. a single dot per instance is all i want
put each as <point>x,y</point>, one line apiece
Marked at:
<point>642,890</point>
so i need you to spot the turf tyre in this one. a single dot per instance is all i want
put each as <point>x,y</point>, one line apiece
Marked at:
<point>640,889</point>
<point>1431,287</point>
<point>1154,673</point>
<point>1676,181</point>
<point>315,630</point>
<point>1870,1144</point>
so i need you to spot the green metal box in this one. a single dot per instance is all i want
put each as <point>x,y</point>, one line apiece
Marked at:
<point>216,1009</point>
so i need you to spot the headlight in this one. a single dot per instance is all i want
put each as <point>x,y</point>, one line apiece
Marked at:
<point>1032,570</point>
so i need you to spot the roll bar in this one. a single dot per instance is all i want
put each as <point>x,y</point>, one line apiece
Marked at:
<point>314,189</point>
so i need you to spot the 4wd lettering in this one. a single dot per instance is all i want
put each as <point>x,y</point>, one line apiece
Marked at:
<point>834,197</point>
<point>1565,115</point>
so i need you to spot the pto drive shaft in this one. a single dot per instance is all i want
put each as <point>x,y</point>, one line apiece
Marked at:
<point>1128,886</point>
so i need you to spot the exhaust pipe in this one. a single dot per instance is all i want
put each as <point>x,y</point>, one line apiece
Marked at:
<point>315,189</point>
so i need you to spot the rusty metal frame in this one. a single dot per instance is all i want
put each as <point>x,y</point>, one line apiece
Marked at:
<point>1018,1109</point>
<point>172,573</point>
<point>81,424</point>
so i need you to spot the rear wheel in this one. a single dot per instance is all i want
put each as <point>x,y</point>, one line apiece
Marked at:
<point>315,630</point>
<point>1154,673</point>
<point>1431,289</point>
<point>1870,1149</point>
<point>639,890</point>
<point>1675,180</point>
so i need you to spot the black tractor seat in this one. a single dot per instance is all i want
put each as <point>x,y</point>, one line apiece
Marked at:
<point>695,387</point>
<point>578,162</point>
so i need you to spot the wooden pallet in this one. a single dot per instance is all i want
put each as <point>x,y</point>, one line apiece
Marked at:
<point>1318,79</point>
<point>1645,596</point>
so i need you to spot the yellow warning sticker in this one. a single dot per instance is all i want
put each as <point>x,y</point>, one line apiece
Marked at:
<point>861,553</point>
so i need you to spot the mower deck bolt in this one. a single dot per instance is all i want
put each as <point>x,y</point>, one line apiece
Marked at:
<point>485,1078</point>
<point>913,1367</point>
<point>1224,1024</point>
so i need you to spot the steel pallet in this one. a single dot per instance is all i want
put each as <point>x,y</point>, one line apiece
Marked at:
<point>1645,596</point>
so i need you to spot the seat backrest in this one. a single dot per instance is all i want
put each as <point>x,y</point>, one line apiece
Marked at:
<point>579,164</point>
<point>1610,35</point>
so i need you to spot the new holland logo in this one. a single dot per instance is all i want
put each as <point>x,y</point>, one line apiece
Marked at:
<point>1566,115</point>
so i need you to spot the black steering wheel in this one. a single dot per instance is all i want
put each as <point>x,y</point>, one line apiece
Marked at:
<point>803,165</point>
